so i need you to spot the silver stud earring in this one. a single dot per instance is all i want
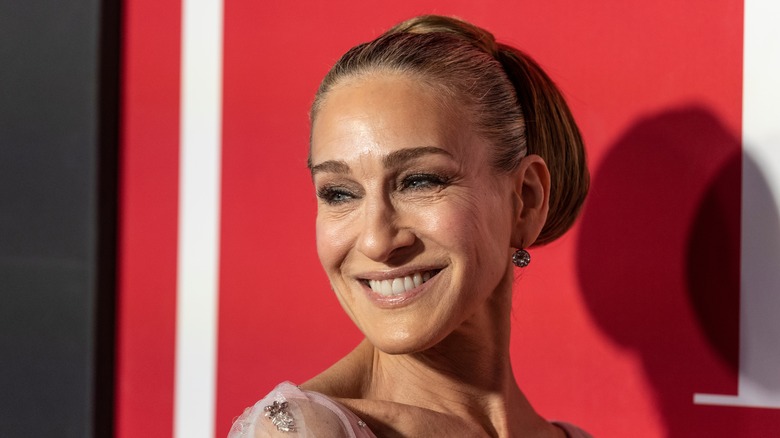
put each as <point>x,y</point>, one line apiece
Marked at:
<point>521,258</point>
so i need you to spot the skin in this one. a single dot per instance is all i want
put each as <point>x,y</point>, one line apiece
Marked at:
<point>405,185</point>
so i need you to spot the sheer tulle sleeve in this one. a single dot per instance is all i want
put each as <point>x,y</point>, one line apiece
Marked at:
<point>288,411</point>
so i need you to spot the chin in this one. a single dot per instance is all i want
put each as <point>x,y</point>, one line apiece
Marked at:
<point>402,343</point>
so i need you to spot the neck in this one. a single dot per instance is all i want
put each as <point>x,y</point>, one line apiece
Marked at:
<point>474,358</point>
<point>468,374</point>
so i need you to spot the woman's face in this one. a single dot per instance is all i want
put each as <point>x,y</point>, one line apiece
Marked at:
<point>413,224</point>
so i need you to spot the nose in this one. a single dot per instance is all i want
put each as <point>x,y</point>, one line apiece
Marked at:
<point>382,235</point>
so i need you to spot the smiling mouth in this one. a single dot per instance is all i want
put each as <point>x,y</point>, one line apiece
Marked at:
<point>400,285</point>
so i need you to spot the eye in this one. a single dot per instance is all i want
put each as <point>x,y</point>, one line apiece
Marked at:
<point>335,195</point>
<point>421,181</point>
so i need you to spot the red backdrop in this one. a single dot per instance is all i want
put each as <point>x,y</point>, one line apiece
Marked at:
<point>617,325</point>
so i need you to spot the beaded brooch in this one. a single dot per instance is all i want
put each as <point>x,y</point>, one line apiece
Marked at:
<point>280,416</point>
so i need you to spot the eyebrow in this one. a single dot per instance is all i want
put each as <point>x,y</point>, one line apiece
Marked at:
<point>393,159</point>
<point>330,166</point>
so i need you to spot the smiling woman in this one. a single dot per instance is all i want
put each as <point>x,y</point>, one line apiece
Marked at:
<point>435,152</point>
<point>419,198</point>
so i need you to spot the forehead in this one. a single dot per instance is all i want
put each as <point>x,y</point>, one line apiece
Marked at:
<point>379,113</point>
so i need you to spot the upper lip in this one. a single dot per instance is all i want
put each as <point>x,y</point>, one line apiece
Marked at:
<point>396,273</point>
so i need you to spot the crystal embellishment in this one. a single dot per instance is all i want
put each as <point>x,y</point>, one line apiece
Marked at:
<point>521,258</point>
<point>280,416</point>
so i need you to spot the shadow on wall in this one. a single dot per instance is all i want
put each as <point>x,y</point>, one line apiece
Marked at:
<point>659,256</point>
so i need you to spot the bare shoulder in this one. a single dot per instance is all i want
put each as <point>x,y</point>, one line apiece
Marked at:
<point>347,377</point>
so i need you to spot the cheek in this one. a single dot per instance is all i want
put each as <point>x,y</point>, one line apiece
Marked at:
<point>478,227</point>
<point>458,219</point>
<point>333,242</point>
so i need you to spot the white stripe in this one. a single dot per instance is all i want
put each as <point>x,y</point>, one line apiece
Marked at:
<point>199,209</point>
<point>759,356</point>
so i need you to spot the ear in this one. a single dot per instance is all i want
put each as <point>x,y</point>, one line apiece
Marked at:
<point>532,200</point>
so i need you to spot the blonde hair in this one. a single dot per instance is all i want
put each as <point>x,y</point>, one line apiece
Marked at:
<point>509,98</point>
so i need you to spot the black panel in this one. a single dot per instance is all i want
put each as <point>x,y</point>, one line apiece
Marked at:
<point>58,125</point>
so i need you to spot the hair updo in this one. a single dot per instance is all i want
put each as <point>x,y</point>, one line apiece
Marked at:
<point>510,100</point>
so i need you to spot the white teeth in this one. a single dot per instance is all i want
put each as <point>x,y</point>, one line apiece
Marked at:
<point>398,285</point>
<point>386,288</point>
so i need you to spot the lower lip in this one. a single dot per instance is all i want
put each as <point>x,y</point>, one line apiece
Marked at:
<point>399,300</point>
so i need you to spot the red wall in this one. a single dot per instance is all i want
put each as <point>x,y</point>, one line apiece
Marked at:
<point>617,325</point>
